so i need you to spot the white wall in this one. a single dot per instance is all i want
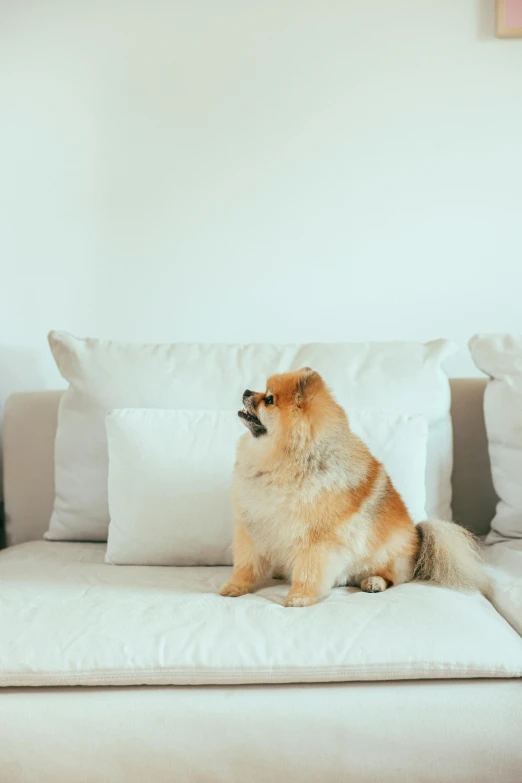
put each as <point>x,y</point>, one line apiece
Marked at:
<point>243,170</point>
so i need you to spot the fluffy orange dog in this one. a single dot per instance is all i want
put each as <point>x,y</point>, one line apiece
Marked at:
<point>313,504</point>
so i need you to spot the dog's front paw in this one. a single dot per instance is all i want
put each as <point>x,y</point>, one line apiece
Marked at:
<point>234,590</point>
<point>297,599</point>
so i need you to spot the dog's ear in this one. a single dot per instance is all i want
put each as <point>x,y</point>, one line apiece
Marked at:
<point>308,385</point>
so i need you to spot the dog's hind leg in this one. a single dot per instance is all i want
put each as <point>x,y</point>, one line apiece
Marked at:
<point>374,584</point>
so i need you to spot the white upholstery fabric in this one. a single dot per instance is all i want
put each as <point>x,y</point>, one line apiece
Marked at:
<point>394,732</point>
<point>505,560</point>
<point>500,357</point>
<point>170,476</point>
<point>401,377</point>
<point>67,618</point>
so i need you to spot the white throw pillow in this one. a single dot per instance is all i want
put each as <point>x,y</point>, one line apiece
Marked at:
<point>170,475</point>
<point>403,376</point>
<point>500,357</point>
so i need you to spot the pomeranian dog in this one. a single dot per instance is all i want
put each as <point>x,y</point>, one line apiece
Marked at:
<point>312,504</point>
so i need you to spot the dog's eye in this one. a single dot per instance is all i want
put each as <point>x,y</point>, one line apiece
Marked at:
<point>269,400</point>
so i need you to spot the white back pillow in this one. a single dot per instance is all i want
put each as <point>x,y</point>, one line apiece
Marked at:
<point>405,377</point>
<point>500,357</point>
<point>170,476</point>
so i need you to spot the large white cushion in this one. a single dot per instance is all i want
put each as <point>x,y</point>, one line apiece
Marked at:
<point>170,474</point>
<point>500,357</point>
<point>403,377</point>
<point>67,618</point>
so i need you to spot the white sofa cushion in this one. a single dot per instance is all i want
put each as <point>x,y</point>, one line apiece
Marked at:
<point>504,561</point>
<point>500,357</point>
<point>67,618</point>
<point>403,377</point>
<point>170,475</point>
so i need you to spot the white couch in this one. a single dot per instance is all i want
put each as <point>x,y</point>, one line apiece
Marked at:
<point>459,719</point>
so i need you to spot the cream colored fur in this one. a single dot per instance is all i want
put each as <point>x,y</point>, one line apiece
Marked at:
<point>449,555</point>
<point>312,504</point>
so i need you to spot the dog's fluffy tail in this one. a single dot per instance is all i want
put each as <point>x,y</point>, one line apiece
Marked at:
<point>450,555</point>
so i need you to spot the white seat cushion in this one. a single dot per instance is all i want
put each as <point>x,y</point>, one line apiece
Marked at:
<point>67,618</point>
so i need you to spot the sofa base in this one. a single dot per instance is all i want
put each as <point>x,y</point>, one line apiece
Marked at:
<point>420,732</point>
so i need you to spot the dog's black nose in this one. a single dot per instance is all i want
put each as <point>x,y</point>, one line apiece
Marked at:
<point>247,393</point>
